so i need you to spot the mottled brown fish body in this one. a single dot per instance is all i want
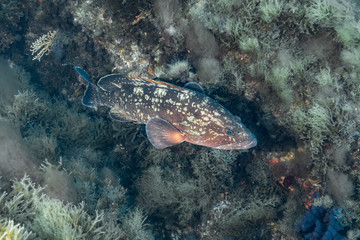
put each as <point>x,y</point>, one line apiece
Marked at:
<point>172,114</point>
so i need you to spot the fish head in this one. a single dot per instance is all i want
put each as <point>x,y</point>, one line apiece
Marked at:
<point>226,131</point>
<point>212,125</point>
<point>221,131</point>
<point>236,136</point>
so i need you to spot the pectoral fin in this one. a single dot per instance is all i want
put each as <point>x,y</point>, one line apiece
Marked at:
<point>163,134</point>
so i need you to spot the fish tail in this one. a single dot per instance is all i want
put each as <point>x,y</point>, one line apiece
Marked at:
<point>91,96</point>
<point>83,74</point>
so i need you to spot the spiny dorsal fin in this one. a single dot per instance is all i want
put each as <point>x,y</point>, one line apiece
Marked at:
<point>194,87</point>
<point>112,82</point>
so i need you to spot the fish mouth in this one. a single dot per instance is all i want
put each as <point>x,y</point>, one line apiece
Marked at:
<point>242,145</point>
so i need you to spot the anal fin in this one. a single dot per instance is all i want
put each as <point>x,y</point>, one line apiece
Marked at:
<point>163,134</point>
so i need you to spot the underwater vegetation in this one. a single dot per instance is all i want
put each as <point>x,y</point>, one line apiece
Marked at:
<point>41,217</point>
<point>289,70</point>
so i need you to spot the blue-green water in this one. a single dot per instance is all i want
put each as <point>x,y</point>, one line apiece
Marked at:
<point>289,69</point>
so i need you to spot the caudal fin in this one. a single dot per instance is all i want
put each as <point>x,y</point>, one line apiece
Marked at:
<point>83,74</point>
<point>91,96</point>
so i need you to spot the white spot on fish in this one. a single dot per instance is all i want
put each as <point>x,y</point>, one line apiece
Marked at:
<point>154,108</point>
<point>139,90</point>
<point>182,96</point>
<point>160,92</point>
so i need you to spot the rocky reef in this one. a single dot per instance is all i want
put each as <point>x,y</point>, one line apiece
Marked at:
<point>289,69</point>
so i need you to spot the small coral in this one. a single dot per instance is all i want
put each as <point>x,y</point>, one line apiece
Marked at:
<point>324,78</point>
<point>175,199</point>
<point>313,125</point>
<point>42,45</point>
<point>327,12</point>
<point>27,109</point>
<point>178,68</point>
<point>249,44</point>
<point>278,79</point>
<point>351,57</point>
<point>134,226</point>
<point>348,33</point>
<point>270,9</point>
<point>11,231</point>
<point>50,218</point>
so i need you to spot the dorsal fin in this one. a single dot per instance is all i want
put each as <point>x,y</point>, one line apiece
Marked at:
<point>112,82</point>
<point>194,87</point>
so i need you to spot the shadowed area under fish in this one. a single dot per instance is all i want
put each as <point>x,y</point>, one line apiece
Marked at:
<point>172,114</point>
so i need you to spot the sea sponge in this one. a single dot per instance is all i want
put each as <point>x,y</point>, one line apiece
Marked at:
<point>351,57</point>
<point>200,41</point>
<point>165,12</point>
<point>12,80</point>
<point>58,182</point>
<point>322,223</point>
<point>209,70</point>
<point>15,157</point>
<point>340,186</point>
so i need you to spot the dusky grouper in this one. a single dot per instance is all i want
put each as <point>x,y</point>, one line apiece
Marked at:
<point>172,114</point>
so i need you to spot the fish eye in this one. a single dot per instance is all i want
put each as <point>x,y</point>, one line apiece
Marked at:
<point>227,131</point>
